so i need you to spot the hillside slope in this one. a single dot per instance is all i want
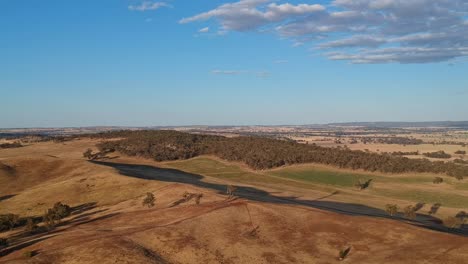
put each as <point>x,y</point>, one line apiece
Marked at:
<point>109,224</point>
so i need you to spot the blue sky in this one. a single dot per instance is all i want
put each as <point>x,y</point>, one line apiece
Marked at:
<point>143,63</point>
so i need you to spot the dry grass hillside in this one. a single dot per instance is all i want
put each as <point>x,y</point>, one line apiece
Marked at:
<point>263,222</point>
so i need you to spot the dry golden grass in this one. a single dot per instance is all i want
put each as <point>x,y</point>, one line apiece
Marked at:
<point>119,229</point>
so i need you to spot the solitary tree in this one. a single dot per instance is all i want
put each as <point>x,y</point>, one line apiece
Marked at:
<point>409,212</point>
<point>88,154</point>
<point>230,190</point>
<point>391,209</point>
<point>438,180</point>
<point>149,200</point>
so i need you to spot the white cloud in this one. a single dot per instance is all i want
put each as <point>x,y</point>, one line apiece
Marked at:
<point>360,31</point>
<point>259,74</point>
<point>204,30</point>
<point>147,5</point>
<point>226,72</point>
<point>246,14</point>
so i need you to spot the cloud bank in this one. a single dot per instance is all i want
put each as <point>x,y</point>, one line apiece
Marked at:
<point>147,6</point>
<point>359,31</point>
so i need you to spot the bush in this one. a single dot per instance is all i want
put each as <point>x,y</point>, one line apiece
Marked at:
<point>149,200</point>
<point>391,209</point>
<point>28,254</point>
<point>55,214</point>
<point>230,190</point>
<point>88,154</point>
<point>453,222</point>
<point>460,161</point>
<point>9,221</point>
<point>3,243</point>
<point>187,197</point>
<point>460,152</point>
<point>363,185</point>
<point>10,145</point>
<point>438,155</point>
<point>344,253</point>
<point>409,212</point>
<point>31,226</point>
<point>438,180</point>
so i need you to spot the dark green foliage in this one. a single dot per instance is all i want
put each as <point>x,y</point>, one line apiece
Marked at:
<point>55,214</point>
<point>10,145</point>
<point>3,243</point>
<point>434,208</point>
<point>438,180</point>
<point>264,153</point>
<point>363,185</point>
<point>391,209</point>
<point>344,253</point>
<point>28,254</point>
<point>460,152</point>
<point>438,154</point>
<point>391,140</point>
<point>9,221</point>
<point>401,153</point>
<point>149,200</point>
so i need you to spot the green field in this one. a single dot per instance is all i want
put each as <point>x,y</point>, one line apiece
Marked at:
<point>413,188</point>
<point>339,179</point>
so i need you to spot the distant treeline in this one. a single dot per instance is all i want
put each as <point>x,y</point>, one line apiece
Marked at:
<point>438,154</point>
<point>10,145</point>
<point>264,153</point>
<point>389,140</point>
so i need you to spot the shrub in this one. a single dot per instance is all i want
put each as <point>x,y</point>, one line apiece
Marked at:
<point>3,243</point>
<point>187,197</point>
<point>409,212</point>
<point>434,208</point>
<point>438,180</point>
<point>453,222</point>
<point>391,209</point>
<point>9,221</point>
<point>31,226</point>
<point>438,155</point>
<point>460,152</point>
<point>253,233</point>
<point>53,215</point>
<point>344,253</point>
<point>10,145</point>
<point>462,214</point>
<point>363,185</point>
<point>88,154</point>
<point>460,161</point>
<point>149,200</point>
<point>28,254</point>
<point>230,190</point>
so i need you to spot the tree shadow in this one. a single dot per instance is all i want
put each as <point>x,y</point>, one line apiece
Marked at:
<point>78,216</point>
<point>173,175</point>
<point>6,197</point>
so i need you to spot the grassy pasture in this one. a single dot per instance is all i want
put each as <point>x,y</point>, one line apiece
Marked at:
<point>385,187</point>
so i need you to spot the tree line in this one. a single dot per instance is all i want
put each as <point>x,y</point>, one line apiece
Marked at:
<point>264,153</point>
